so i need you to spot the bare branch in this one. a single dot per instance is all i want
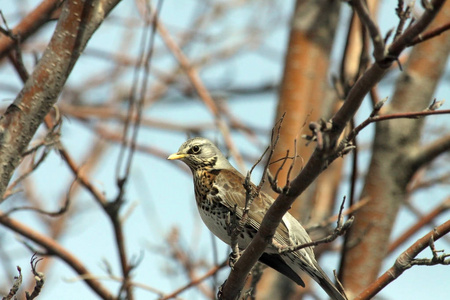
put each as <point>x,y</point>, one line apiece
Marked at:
<point>57,213</point>
<point>423,221</point>
<point>200,88</point>
<point>54,249</point>
<point>436,258</point>
<point>403,15</point>
<point>195,282</point>
<point>16,285</point>
<point>379,51</point>
<point>406,115</point>
<point>320,158</point>
<point>30,24</point>
<point>273,143</point>
<point>38,277</point>
<point>116,279</point>
<point>404,261</point>
<point>37,96</point>
<point>430,34</point>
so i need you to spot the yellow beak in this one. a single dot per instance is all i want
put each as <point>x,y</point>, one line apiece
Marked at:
<point>176,156</point>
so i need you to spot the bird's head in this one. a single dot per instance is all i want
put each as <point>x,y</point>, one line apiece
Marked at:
<point>200,153</point>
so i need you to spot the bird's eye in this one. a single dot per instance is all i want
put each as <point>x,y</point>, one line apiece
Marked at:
<point>195,149</point>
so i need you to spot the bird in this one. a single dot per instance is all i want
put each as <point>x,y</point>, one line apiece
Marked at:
<point>220,193</point>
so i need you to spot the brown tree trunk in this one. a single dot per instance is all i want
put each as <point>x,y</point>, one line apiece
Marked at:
<point>304,90</point>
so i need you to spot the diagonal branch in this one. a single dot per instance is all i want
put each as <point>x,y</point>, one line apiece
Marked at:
<point>404,261</point>
<point>53,248</point>
<point>30,24</point>
<point>194,282</point>
<point>428,153</point>
<point>430,34</point>
<point>77,23</point>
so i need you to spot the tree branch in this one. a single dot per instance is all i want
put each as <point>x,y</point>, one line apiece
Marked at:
<point>430,34</point>
<point>29,25</point>
<point>428,153</point>
<point>375,34</point>
<point>77,23</point>
<point>200,88</point>
<point>53,248</point>
<point>404,261</point>
<point>423,221</point>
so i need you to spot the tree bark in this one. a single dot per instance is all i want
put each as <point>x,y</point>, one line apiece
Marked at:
<point>303,93</point>
<point>77,23</point>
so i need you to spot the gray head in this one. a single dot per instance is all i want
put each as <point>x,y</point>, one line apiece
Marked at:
<point>200,153</point>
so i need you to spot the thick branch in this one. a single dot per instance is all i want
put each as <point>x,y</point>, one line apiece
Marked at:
<point>269,224</point>
<point>319,159</point>
<point>377,70</point>
<point>77,23</point>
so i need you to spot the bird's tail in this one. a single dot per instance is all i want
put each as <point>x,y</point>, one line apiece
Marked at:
<point>311,267</point>
<point>325,283</point>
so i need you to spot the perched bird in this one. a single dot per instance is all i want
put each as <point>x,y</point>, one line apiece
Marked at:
<point>219,193</point>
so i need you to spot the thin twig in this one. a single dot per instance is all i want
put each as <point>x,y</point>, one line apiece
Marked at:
<point>16,285</point>
<point>430,34</point>
<point>421,223</point>
<point>195,282</point>
<point>54,248</point>
<point>403,15</point>
<point>291,167</point>
<point>38,277</point>
<point>406,115</point>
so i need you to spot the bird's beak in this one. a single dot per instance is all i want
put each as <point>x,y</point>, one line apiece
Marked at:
<point>176,156</point>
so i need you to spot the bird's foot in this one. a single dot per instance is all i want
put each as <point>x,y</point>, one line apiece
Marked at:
<point>232,259</point>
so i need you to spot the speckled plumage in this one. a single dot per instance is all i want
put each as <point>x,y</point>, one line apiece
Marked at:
<point>219,189</point>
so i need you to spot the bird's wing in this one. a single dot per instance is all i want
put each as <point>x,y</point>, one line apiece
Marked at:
<point>232,193</point>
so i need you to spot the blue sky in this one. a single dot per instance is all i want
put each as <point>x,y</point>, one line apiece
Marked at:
<point>160,194</point>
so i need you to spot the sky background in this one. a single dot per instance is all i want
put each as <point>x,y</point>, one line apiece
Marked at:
<point>160,193</point>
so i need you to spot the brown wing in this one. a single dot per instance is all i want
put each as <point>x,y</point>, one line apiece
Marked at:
<point>232,192</point>
<point>290,232</point>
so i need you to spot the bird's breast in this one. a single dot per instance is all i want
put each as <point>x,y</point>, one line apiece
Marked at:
<point>203,185</point>
<point>213,213</point>
<point>215,218</point>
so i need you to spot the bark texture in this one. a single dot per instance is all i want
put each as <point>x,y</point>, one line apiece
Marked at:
<point>41,91</point>
<point>303,96</point>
